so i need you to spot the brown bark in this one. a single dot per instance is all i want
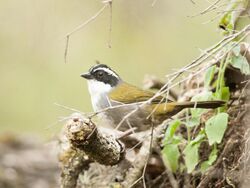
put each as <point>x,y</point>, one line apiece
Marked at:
<point>101,147</point>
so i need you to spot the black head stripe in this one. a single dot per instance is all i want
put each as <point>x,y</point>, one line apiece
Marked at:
<point>98,66</point>
<point>105,74</point>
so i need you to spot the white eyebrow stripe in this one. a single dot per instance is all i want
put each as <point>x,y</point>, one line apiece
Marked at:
<point>107,71</point>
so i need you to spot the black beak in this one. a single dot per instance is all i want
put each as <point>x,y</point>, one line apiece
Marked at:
<point>86,75</point>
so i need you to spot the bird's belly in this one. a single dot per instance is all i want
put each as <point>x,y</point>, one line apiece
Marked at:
<point>121,116</point>
<point>126,117</point>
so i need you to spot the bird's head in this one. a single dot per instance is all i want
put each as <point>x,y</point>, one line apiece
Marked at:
<point>101,79</point>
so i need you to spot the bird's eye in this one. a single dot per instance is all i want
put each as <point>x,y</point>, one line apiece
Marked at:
<point>99,73</point>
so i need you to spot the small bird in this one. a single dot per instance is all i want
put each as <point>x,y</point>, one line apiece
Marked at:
<point>124,105</point>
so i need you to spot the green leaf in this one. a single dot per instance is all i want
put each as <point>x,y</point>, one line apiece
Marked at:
<point>215,128</point>
<point>225,93</point>
<point>226,22</point>
<point>172,128</point>
<point>212,158</point>
<point>206,95</point>
<point>198,139</point>
<point>209,76</point>
<point>231,16</point>
<point>191,156</point>
<point>171,156</point>
<point>170,151</point>
<point>222,94</point>
<point>194,121</point>
<point>236,49</point>
<point>240,62</point>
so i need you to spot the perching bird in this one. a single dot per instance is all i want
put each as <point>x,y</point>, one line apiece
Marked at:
<point>125,104</point>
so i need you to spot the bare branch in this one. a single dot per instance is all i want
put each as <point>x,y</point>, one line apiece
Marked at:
<point>103,148</point>
<point>72,164</point>
<point>87,21</point>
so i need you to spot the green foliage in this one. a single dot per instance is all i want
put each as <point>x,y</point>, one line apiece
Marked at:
<point>237,60</point>
<point>193,121</point>
<point>171,130</point>
<point>209,76</point>
<point>213,132</point>
<point>171,154</point>
<point>222,94</point>
<point>225,93</point>
<point>240,62</point>
<point>229,19</point>
<point>236,49</point>
<point>210,161</point>
<point>191,156</point>
<point>227,23</point>
<point>215,128</point>
<point>199,138</point>
<point>170,151</point>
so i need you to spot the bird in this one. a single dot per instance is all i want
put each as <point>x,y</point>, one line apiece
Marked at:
<point>124,106</point>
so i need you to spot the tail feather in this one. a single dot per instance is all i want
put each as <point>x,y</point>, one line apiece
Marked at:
<point>165,110</point>
<point>201,104</point>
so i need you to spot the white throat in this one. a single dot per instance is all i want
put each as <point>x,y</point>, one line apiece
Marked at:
<point>99,94</point>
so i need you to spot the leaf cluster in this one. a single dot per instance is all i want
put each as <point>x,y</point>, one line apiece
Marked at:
<point>181,152</point>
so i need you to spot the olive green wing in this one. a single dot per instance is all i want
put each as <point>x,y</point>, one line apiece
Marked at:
<point>126,93</point>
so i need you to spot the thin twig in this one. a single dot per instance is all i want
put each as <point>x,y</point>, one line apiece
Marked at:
<point>127,133</point>
<point>211,7</point>
<point>68,108</point>
<point>87,21</point>
<point>150,151</point>
<point>80,27</point>
<point>137,173</point>
<point>125,118</point>
<point>153,3</point>
<point>122,105</point>
<point>200,59</point>
<point>167,87</point>
<point>192,1</point>
<point>66,49</point>
<point>212,19</point>
<point>110,24</point>
<point>139,179</point>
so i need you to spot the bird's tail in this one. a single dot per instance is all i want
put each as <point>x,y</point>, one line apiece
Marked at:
<point>201,104</point>
<point>164,110</point>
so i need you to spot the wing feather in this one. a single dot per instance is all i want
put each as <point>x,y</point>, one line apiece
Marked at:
<point>126,93</point>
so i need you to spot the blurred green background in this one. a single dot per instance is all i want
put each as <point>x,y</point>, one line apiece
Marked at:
<point>145,40</point>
